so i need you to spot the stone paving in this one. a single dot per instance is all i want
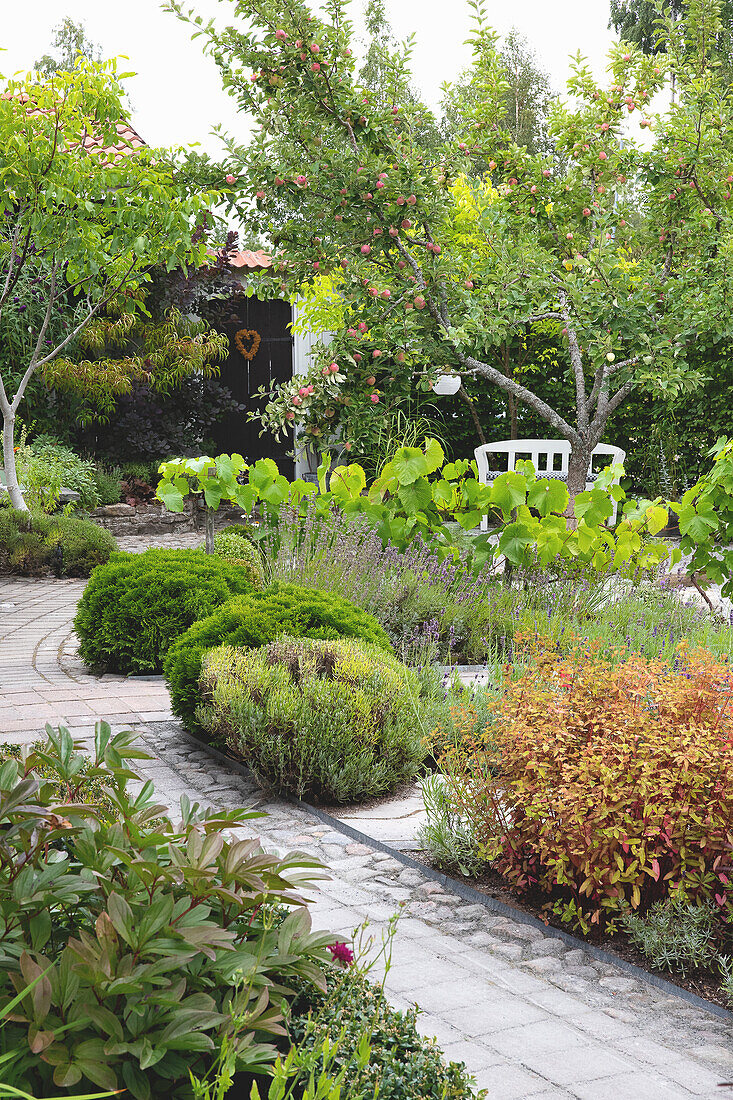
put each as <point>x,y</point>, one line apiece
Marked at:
<point>531,1015</point>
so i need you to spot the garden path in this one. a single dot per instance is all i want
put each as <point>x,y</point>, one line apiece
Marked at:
<point>531,1015</point>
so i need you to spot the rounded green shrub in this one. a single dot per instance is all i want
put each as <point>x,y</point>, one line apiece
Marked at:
<point>254,620</point>
<point>237,548</point>
<point>32,543</point>
<point>137,605</point>
<point>334,721</point>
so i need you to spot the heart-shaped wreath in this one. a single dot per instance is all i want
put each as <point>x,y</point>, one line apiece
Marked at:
<point>247,334</point>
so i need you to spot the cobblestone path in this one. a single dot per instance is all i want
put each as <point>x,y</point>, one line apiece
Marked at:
<point>530,1015</point>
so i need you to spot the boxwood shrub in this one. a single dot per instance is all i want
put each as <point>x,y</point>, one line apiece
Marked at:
<point>235,547</point>
<point>331,721</point>
<point>135,606</point>
<point>402,1064</point>
<point>33,543</point>
<point>254,620</point>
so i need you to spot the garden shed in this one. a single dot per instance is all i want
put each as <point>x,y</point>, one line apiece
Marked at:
<point>262,352</point>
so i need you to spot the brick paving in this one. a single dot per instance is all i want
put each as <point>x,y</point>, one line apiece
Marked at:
<point>530,1015</point>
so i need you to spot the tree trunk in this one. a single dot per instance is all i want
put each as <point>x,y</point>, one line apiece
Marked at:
<point>513,425</point>
<point>11,474</point>
<point>209,529</point>
<point>476,422</point>
<point>578,466</point>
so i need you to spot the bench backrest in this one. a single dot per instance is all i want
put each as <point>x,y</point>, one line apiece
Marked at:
<point>546,455</point>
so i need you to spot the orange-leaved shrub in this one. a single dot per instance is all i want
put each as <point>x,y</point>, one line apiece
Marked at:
<point>604,785</point>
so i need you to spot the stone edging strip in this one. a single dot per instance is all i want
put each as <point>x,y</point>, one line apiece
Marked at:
<point>468,893</point>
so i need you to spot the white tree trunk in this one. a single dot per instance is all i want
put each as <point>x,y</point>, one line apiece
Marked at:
<point>11,474</point>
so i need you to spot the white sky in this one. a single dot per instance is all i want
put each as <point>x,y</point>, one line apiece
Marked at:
<point>177,95</point>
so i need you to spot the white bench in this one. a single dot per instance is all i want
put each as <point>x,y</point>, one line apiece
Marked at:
<point>549,458</point>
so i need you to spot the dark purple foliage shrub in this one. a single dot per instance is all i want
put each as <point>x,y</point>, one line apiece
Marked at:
<point>152,426</point>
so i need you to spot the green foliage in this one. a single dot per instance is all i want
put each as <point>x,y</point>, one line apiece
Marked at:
<point>136,942</point>
<point>137,605</point>
<point>214,478</point>
<point>108,483</point>
<point>443,835</point>
<point>62,225</point>
<point>334,721</point>
<point>401,1063</point>
<point>45,466</point>
<point>526,99</point>
<point>706,520</point>
<point>255,620</point>
<point>239,549</point>
<point>32,543</point>
<point>452,267</point>
<point>417,493</point>
<point>675,935</point>
<point>121,347</point>
<point>70,39</point>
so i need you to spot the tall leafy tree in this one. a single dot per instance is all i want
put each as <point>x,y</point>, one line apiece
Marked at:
<point>645,22</point>
<point>69,42</point>
<point>80,227</point>
<point>385,73</point>
<point>437,268</point>
<point>526,100</point>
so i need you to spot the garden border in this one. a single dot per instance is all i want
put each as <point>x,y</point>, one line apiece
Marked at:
<point>468,893</point>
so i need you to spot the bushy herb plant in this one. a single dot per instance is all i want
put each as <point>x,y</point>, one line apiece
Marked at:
<point>604,787</point>
<point>675,935</point>
<point>139,945</point>
<point>32,544</point>
<point>137,605</point>
<point>330,721</point>
<point>444,835</point>
<point>255,620</point>
<point>109,484</point>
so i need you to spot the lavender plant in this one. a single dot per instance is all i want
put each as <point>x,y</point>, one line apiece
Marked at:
<point>443,608</point>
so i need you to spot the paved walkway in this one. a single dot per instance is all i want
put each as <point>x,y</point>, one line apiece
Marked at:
<point>531,1016</point>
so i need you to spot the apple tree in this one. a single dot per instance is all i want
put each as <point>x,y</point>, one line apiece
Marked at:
<point>623,247</point>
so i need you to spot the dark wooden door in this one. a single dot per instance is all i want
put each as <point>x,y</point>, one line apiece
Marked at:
<point>273,362</point>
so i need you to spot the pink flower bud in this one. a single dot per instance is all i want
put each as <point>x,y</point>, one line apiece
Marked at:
<point>230,178</point>
<point>366,249</point>
<point>374,399</point>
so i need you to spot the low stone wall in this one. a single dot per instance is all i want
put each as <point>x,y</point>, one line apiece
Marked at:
<point>154,519</point>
